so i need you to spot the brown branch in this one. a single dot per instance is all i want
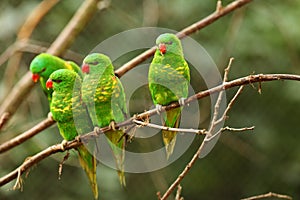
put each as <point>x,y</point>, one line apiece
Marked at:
<point>20,46</point>
<point>26,135</point>
<point>23,35</point>
<point>183,33</point>
<point>30,161</point>
<point>35,47</point>
<point>59,46</point>
<point>267,195</point>
<point>35,17</point>
<point>145,115</point>
<point>74,27</point>
<point>15,97</point>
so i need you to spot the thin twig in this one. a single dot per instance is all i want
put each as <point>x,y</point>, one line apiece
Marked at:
<point>59,46</point>
<point>60,167</point>
<point>145,115</point>
<point>36,47</point>
<point>215,121</point>
<point>35,17</point>
<point>207,139</point>
<point>227,128</point>
<point>184,172</point>
<point>29,162</point>
<point>229,105</point>
<point>183,130</point>
<point>178,193</point>
<point>74,27</point>
<point>267,195</point>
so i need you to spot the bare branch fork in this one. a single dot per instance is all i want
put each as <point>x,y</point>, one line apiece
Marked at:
<point>75,143</point>
<point>23,87</point>
<point>212,133</point>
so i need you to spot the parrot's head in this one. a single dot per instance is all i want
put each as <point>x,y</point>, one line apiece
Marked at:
<point>168,43</point>
<point>97,64</point>
<point>63,80</point>
<point>40,66</point>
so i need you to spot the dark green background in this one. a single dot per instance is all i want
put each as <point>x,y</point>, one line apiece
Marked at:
<point>263,37</point>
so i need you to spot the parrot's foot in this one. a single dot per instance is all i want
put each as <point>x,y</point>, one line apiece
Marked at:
<point>112,125</point>
<point>77,138</point>
<point>97,130</point>
<point>158,108</point>
<point>63,144</point>
<point>181,101</point>
<point>50,116</point>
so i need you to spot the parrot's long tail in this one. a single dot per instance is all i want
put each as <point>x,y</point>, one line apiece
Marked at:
<point>88,163</point>
<point>169,137</point>
<point>117,143</point>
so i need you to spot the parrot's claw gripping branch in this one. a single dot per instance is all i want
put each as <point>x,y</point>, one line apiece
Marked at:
<point>158,108</point>
<point>50,116</point>
<point>97,130</point>
<point>63,145</point>
<point>181,101</point>
<point>112,125</point>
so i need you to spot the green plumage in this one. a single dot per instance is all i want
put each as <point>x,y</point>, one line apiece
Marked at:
<point>104,96</point>
<point>72,118</point>
<point>43,65</point>
<point>169,78</point>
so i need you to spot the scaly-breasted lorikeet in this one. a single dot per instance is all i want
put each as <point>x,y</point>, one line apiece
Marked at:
<point>169,78</point>
<point>72,117</point>
<point>44,64</point>
<point>104,96</point>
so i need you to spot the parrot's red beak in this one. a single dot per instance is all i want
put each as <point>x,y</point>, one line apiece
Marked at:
<point>49,84</point>
<point>162,48</point>
<point>85,68</point>
<point>35,77</point>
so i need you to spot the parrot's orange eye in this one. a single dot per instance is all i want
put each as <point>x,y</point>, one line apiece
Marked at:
<point>85,68</point>
<point>162,48</point>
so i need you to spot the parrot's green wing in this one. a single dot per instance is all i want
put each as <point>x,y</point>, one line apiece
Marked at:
<point>43,65</point>
<point>169,78</point>
<point>71,117</point>
<point>107,105</point>
<point>117,138</point>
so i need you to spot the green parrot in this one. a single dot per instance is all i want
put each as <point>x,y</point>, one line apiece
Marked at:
<point>72,117</point>
<point>169,78</point>
<point>44,64</point>
<point>104,96</point>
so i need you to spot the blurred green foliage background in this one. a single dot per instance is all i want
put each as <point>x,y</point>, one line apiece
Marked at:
<point>263,37</point>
